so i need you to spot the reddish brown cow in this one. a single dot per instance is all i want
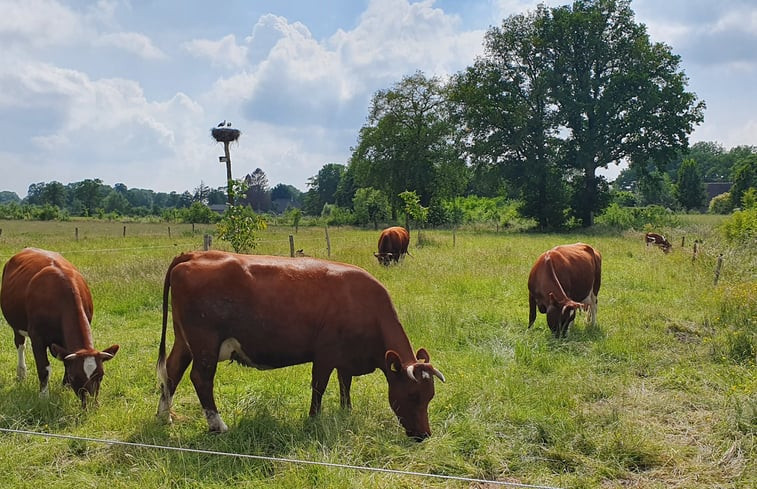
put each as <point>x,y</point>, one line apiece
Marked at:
<point>45,298</point>
<point>658,240</point>
<point>562,280</point>
<point>269,312</point>
<point>392,244</point>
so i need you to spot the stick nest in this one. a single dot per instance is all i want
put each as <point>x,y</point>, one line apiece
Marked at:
<point>225,134</point>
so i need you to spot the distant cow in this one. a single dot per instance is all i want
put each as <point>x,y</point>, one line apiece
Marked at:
<point>45,298</point>
<point>562,280</point>
<point>269,312</point>
<point>392,244</point>
<point>658,240</point>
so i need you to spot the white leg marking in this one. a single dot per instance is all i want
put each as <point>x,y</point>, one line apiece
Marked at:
<point>44,392</point>
<point>90,365</point>
<point>21,367</point>
<point>215,423</point>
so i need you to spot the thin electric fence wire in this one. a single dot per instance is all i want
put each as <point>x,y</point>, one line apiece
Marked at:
<point>275,459</point>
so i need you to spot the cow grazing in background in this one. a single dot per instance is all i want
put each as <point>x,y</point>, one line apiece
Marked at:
<point>392,244</point>
<point>45,298</point>
<point>269,312</point>
<point>658,240</point>
<point>562,280</point>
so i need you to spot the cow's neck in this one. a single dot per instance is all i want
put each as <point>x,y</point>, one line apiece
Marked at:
<point>396,339</point>
<point>77,334</point>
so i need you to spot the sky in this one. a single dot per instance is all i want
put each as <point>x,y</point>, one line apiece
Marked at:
<point>128,91</point>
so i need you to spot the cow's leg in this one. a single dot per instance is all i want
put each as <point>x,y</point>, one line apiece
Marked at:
<point>176,364</point>
<point>531,309</point>
<point>345,382</point>
<point>43,367</point>
<point>20,341</point>
<point>318,385</point>
<point>202,375</point>
<point>593,309</point>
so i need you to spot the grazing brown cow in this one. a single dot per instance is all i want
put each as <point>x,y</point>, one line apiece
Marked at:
<point>658,240</point>
<point>269,312</point>
<point>45,298</point>
<point>562,280</point>
<point>392,244</point>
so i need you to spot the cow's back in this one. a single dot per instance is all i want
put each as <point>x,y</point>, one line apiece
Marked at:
<point>41,282</point>
<point>394,240</point>
<point>578,268</point>
<point>282,311</point>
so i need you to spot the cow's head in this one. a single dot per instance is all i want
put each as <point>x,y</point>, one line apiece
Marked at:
<point>411,388</point>
<point>384,258</point>
<point>562,312</point>
<point>84,369</point>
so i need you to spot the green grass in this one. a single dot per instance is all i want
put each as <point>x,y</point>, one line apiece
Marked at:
<point>662,393</point>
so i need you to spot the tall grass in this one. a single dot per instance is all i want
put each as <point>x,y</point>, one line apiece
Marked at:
<point>661,393</point>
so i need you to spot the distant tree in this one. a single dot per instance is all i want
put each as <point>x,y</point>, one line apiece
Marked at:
<point>371,205</point>
<point>201,193</point>
<point>413,209</point>
<point>198,213</point>
<point>116,202</point>
<point>217,196</point>
<point>6,197</point>
<point>239,222</point>
<point>34,193</point>
<point>120,188</point>
<point>744,178</point>
<point>689,189</point>
<point>90,194</point>
<point>184,200</point>
<point>656,188</point>
<point>54,193</point>
<point>258,194</point>
<point>322,188</point>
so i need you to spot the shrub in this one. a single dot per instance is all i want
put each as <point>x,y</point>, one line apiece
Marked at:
<point>622,218</point>
<point>741,227</point>
<point>721,204</point>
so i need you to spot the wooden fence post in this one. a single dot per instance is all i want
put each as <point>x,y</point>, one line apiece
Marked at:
<point>291,246</point>
<point>76,233</point>
<point>169,232</point>
<point>193,228</point>
<point>683,240</point>
<point>124,231</point>
<point>453,237</point>
<point>717,268</point>
<point>328,243</point>
<point>696,250</point>
<point>207,240</point>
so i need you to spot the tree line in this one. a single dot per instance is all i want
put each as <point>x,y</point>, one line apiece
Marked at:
<point>558,94</point>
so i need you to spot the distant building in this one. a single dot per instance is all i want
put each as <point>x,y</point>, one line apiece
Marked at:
<point>219,208</point>
<point>714,189</point>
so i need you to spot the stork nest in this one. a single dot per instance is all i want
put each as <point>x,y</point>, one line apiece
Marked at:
<point>225,134</point>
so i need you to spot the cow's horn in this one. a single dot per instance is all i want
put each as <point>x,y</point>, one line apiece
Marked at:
<point>437,373</point>
<point>70,356</point>
<point>106,355</point>
<point>409,371</point>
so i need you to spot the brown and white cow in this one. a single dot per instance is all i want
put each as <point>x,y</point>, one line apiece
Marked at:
<point>269,312</point>
<point>392,244</point>
<point>658,240</point>
<point>45,298</point>
<point>562,280</point>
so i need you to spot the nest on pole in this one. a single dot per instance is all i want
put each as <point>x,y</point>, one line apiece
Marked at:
<point>225,134</point>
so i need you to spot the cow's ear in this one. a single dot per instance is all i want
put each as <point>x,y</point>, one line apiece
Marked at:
<point>108,353</point>
<point>58,351</point>
<point>393,362</point>
<point>552,299</point>
<point>423,356</point>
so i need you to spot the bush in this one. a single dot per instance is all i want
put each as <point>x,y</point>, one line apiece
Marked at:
<point>741,227</point>
<point>622,218</point>
<point>334,215</point>
<point>721,204</point>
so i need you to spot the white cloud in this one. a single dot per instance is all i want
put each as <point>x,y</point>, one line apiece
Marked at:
<point>224,52</point>
<point>38,23</point>
<point>132,42</point>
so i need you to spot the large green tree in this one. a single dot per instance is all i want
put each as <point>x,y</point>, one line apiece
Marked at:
<point>406,143</point>
<point>507,119</point>
<point>689,189</point>
<point>619,95</point>
<point>322,188</point>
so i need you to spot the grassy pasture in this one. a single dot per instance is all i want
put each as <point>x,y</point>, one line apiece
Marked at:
<point>662,393</point>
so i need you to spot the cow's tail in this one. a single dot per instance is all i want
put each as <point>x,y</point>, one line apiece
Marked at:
<point>161,366</point>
